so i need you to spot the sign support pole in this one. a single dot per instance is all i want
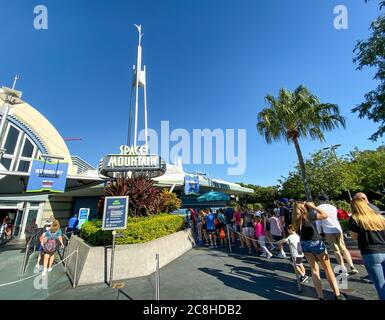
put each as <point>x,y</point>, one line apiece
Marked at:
<point>112,257</point>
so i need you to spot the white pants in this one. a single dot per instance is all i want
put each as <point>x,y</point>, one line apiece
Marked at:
<point>262,243</point>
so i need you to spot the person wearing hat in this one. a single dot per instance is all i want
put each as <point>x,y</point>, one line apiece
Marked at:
<point>334,235</point>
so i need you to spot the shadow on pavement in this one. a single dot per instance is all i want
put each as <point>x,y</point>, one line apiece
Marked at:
<point>263,285</point>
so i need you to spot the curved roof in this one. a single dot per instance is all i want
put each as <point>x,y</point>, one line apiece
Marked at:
<point>175,175</point>
<point>39,129</point>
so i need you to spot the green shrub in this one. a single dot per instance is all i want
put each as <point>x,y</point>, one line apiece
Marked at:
<point>139,230</point>
<point>344,225</point>
<point>169,201</point>
<point>342,204</point>
<point>233,204</point>
<point>380,203</point>
<point>257,206</point>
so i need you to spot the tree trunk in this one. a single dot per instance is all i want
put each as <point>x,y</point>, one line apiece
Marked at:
<point>303,170</point>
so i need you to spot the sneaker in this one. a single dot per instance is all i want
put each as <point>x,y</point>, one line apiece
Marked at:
<point>366,279</point>
<point>44,274</point>
<point>269,256</point>
<point>241,247</point>
<point>263,255</point>
<point>353,270</point>
<point>49,269</point>
<point>342,296</point>
<point>282,255</point>
<point>37,269</point>
<point>304,279</point>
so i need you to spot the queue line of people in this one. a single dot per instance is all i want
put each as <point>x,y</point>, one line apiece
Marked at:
<point>306,229</point>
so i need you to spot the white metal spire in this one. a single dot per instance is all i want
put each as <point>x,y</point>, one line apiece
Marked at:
<point>140,81</point>
<point>17,77</point>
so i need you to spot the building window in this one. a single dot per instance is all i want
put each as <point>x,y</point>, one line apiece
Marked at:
<point>20,150</point>
<point>23,166</point>
<point>11,141</point>
<point>6,163</point>
<point>28,149</point>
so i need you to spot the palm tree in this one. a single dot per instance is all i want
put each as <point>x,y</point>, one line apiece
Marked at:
<point>295,115</point>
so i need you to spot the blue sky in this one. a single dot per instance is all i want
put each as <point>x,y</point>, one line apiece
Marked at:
<point>210,64</point>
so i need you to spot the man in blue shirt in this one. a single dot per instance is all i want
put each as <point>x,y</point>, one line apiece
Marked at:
<point>72,224</point>
<point>210,227</point>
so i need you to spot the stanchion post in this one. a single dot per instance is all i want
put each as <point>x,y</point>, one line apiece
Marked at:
<point>112,257</point>
<point>229,238</point>
<point>157,279</point>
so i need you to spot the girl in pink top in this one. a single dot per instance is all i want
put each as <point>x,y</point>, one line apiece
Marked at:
<point>260,234</point>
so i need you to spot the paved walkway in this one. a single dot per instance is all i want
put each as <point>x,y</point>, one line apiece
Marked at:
<point>200,274</point>
<point>11,260</point>
<point>204,273</point>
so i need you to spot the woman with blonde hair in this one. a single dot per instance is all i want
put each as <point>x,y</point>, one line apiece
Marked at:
<point>368,228</point>
<point>49,244</point>
<point>304,216</point>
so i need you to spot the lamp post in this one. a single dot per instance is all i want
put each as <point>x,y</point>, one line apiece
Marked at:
<point>333,149</point>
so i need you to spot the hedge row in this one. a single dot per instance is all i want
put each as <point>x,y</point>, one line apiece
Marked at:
<point>139,230</point>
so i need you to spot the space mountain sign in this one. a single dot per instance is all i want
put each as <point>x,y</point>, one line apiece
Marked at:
<point>134,160</point>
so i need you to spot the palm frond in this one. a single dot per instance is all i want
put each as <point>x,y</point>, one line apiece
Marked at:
<point>299,113</point>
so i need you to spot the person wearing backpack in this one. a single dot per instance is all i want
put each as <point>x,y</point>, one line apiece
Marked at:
<point>49,245</point>
<point>221,227</point>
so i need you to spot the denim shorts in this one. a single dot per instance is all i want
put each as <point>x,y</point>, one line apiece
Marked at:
<point>313,246</point>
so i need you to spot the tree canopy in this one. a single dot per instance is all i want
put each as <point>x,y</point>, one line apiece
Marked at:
<point>371,53</point>
<point>356,171</point>
<point>295,115</point>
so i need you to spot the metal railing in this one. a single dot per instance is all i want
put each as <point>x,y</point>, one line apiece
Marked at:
<point>66,241</point>
<point>30,247</point>
<point>64,258</point>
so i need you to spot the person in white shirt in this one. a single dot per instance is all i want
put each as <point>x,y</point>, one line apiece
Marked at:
<point>295,248</point>
<point>276,230</point>
<point>333,234</point>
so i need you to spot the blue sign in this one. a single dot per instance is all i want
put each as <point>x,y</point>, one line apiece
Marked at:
<point>191,185</point>
<point>83,216</point>
<point>115,213</point>
<point>47,176</point>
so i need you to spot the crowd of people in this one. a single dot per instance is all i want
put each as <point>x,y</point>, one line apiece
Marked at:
<point>305,229</point>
